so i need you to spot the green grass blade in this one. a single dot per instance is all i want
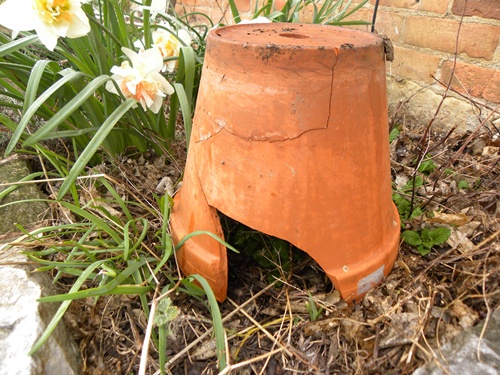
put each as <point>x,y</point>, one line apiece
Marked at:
<point>101,225</point>
<point>62,309</point>
<point>355,9</point>
<point>66,111</point>
<point>113,287</point>
<point>117,198</point>
<point>16,45</point>
<point>220,341</point>
<point>200,232</point>
<point>162,347</point>
<point>34,83</point>
<point>94,144</point>
<point>186,110</point>
<point>35,105</point>
<point>187,63</point>
<point>234,11</point>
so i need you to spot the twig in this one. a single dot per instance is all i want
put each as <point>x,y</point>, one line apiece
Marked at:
<point>421,331</point>
<point>488,309</point>
<point>179,355</point>
<point>422,153</point>
<point>147,336</point>
<point>229,368</point>
<point>288,349</point>
<point>485,241</point>
<point>469,98</point>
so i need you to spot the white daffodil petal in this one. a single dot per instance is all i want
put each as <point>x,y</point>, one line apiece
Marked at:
<point>131,87</point>
<point>79,25</point>
<point>166,87</point>
<point>185,37</point>
<point>170,65</point>
<point>142,80</point>
<point>60,28</point>
<point>111,87</point>
<point>18,15</point>
<point>47,37</point>
<point>123,70</point>
<point>139,44</point>
<point>152,60</point>
<point>160,5</point>
<point>133,56</point>
<point>259,19</point>
<point>155,107</point>
<point>50,19</point>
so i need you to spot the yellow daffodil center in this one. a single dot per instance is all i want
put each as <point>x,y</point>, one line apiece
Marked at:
<point>168,45</point>
<point>142,89</point>
<point>53,11</point>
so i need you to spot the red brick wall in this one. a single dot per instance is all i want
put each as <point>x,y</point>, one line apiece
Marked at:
<point>424,34</point>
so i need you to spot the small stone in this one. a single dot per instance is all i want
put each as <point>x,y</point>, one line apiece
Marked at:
<point>23,320</point>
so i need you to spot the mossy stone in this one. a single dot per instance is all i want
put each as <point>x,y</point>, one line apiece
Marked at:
<point>18,207</point>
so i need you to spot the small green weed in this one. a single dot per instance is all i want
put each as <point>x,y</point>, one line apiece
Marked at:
<point>269,252</point>
<point>427,166</point>
<point>403,205</point>
<point>426,239</point>
<point>314,312</point>
<point>394,134</point>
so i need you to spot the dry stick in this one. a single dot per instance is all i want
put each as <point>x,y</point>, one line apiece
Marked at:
<point>488,309</point>
<point>421,155</point>
<point>485,241</point>
<point>149,329</point>
<point>440,257</point>
<point>288,349</point>
<point>250,361</point>
<point>208,332</point>
<point>469,98</point>
<point>421,333</point>
<point>474,249</point>
<point>288,310</point>
<point>465,144</point>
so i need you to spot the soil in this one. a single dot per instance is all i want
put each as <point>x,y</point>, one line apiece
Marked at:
<point>284,317</point>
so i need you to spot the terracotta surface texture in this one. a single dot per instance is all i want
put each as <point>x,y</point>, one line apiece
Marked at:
<point>290,137</point>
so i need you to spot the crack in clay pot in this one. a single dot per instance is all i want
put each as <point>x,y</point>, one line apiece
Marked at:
<point>293,106</point>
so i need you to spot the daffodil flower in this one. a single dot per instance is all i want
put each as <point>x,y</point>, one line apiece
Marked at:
<point>141,80</point>
<point>259,19</point>
<point>157,6</point>
<point>50,19</point>
<point>168,42</point>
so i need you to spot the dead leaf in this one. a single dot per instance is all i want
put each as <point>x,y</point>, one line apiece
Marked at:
<point>321,327</point>
<point>490,151</point>
<point>450,219</point>
<point>328,298</point>
<point>466,316</point>
<point>459,240</point>
<point>205,351</point>
<point>402,330</point>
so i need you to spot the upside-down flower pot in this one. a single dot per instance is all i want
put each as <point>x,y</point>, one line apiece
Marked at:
<point>290,138</point>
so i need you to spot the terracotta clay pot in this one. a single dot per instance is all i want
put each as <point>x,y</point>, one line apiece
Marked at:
<point>290,138</point>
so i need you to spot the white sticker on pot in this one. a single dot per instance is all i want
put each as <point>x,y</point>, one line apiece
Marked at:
<point>370,281</point>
